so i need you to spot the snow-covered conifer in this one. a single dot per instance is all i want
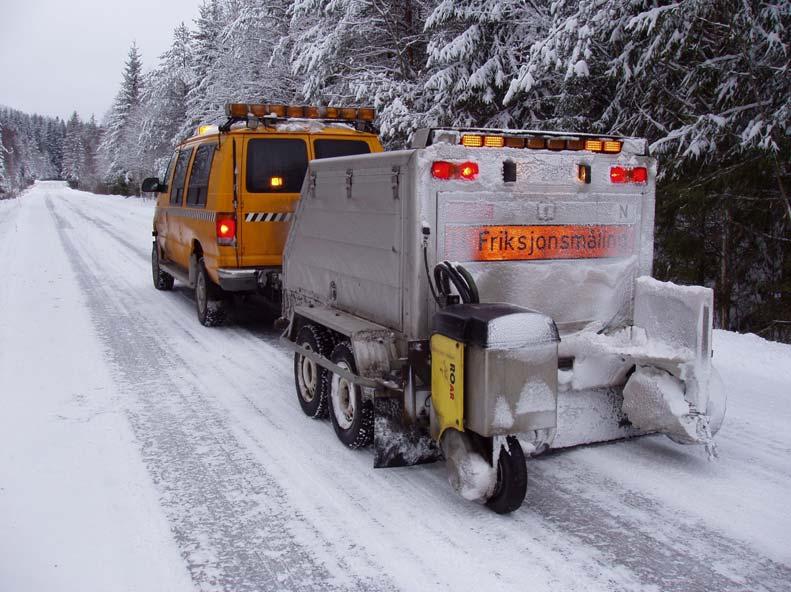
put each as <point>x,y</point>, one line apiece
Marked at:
<point>119,145</point>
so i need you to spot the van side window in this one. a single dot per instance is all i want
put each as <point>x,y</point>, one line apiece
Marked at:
<point>177,191</point>
<point>199,176</point>
<point>169,170</point>
<point>276,165</point>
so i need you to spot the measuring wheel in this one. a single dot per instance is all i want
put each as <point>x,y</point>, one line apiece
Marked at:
<point>511,487</point>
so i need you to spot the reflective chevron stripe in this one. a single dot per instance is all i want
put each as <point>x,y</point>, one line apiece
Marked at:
<point>268,216</point>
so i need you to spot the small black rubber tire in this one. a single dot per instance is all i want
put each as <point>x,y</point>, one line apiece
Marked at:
<point>162,280</point>
<point>209,300</point>
<point>317,340</point>
<point>359,432</point>
<point>511,487</point>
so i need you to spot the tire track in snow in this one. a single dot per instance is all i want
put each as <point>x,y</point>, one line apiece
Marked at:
<point>227,513</point>
<point>639,533</point>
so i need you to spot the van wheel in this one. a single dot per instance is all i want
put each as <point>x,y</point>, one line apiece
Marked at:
<point>352,417</point>
<point>208,298</point>
<point>312,381</point>
<point>511,487</point>
<point>162,280</point>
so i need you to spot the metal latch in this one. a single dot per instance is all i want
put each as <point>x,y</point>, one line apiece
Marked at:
<point>349,175</point>
<point>312,184</point>
<point>396,172</point>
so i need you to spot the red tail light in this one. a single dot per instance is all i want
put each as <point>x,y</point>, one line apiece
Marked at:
<point>620,174</point>
<point>639,175</point>
<point>226,229</point>
<point>441,169</point>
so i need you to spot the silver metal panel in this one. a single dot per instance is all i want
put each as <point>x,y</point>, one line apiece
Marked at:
<point>511,390</point>
<point>345,246</point>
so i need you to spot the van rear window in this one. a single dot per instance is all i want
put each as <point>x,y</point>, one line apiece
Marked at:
<point>333,148</point>
<point>276,165</point>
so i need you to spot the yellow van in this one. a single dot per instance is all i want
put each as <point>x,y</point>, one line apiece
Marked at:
<point>224,207</point>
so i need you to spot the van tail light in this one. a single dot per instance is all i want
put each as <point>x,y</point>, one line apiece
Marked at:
<point>620,174</point>
<point>442,169</point>
<point>226,229</point>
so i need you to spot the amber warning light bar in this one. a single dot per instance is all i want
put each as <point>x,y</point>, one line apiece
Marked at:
<point>525,243</point>
<point>278,111</point>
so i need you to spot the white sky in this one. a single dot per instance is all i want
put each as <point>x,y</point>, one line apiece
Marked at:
<point>60,55</point>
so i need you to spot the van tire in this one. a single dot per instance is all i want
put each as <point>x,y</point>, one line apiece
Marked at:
<point>352,416</point>
<point>162,280</point>
<point>209,298</point>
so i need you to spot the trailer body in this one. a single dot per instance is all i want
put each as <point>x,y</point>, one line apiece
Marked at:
<point>564,235</point>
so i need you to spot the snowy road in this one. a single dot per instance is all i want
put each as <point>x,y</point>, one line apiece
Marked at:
<point>141,451</point>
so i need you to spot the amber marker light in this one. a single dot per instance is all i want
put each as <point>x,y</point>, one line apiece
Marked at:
<point>236,109</point>
<point>612,146</point>
<point>515,142</point>
<point>468,170</point>
<point>258,109</point>
<point>276,182</point>
<point>472,141</point>
<point>493,141</point>
<point>277,110</point>
<point>349,113</point>
<point>366,113</point>
<point>594,145</point>
<point>536,143</point>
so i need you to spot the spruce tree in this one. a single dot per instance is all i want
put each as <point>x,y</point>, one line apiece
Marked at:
<point>119,147</point>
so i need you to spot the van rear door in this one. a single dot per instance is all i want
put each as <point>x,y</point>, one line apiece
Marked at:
<point>273,172</point>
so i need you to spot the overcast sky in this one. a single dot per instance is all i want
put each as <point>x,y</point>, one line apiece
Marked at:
<point>60,55</point>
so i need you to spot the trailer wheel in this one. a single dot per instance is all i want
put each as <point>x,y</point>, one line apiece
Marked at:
<point>511,487</point>
<point>208,298</point>
<point>352,417</point>
<point>162,280</point>
<point>312,381</point>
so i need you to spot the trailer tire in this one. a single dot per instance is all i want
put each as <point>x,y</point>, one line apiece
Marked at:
<point>209,299</point>
<point>511,487</point>
<point>162,280</point>
<point>352,417</point>
<point>311,380</point>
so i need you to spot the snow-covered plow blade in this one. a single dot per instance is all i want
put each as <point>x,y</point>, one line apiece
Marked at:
<point>654,376</point>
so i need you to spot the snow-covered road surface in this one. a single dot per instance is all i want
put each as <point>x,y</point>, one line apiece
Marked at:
<point>141,451</point>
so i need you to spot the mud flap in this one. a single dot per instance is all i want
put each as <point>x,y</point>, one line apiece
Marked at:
<point>396,443</point>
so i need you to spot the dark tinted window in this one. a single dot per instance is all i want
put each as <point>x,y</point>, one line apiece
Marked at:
<point>177,191</point>
<point>332,148</point>
<point>283,158</point>
<point>169,170</point>
<point>199,176</point>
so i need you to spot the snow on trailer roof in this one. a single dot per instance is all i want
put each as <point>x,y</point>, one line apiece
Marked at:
<point>532,139</point>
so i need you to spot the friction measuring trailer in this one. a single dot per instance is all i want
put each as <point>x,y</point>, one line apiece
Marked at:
<point>487,294</point>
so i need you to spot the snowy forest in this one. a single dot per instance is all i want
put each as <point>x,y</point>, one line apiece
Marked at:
<point>707,82</point>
